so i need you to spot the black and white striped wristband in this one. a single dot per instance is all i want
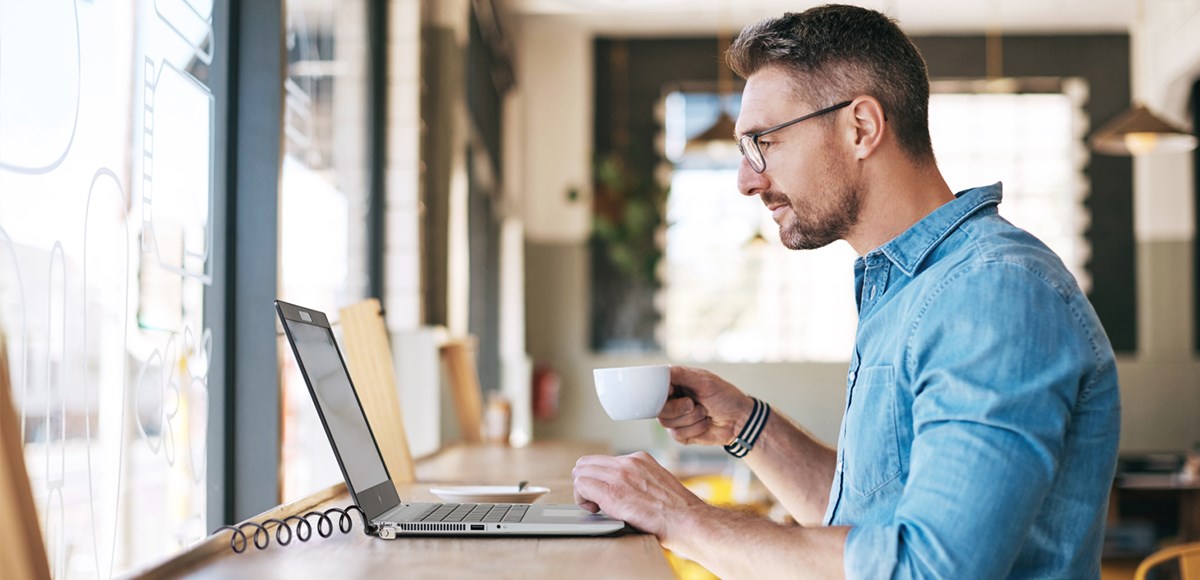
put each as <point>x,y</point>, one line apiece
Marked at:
<point>742,444</point>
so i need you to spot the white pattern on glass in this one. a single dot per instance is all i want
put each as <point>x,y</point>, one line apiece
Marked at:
<point>39,96</point>
<point>108,433</point>
<point>177,171</point>
<point>191,22</point>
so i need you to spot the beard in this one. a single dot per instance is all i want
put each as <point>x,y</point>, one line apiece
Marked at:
<point>825,218</point>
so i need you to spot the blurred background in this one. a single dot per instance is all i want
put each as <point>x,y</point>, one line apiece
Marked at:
<point>552,178</point>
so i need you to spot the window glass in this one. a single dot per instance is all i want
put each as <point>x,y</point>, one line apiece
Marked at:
<point>106,231</point>
<point>1033,143</point>
<point>733,293</point>
<point>322,205</point>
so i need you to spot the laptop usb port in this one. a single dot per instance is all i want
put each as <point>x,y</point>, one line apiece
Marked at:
<point>475,527</point>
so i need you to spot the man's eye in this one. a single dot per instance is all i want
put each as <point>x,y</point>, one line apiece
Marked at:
<point>764,145</point>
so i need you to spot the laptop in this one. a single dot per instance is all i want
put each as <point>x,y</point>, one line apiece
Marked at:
<point>367,477</point>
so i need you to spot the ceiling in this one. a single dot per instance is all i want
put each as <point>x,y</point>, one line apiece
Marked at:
<point>683,17</point>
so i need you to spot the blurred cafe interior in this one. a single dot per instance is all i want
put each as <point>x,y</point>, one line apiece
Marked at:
<point>512,193</point>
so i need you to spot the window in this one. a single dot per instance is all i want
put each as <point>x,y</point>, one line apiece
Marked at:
<point>733,293</point>
<point>323,204</point>
<point>1032,141</point>
<point>106,230</point>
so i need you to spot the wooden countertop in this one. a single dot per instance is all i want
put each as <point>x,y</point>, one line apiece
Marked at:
<point>357,555</point>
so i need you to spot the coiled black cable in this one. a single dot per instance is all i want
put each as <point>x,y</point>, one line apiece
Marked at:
<point>261,536</point>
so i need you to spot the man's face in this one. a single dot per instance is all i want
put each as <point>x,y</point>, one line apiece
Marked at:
<point>808,183</point>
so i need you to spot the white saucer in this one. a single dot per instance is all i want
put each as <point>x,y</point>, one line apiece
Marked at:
<point>489,493</point>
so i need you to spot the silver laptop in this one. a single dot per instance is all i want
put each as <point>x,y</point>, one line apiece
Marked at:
<point>366,475</point>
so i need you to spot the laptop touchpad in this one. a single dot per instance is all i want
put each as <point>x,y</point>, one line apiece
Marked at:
<point>565,513</point>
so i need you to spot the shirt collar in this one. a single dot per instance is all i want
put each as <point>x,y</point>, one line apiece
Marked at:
<point>909,249</point>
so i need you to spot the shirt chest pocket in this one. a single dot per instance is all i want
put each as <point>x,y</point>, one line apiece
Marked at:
<point>872,456</point>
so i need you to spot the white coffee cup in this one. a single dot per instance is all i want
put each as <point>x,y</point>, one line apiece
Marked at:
<point>633,392</point>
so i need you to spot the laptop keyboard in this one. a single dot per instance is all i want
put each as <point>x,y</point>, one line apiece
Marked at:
<point>477,513</point>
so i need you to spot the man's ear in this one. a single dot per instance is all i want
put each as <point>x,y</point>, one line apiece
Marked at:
<point>869,124</point>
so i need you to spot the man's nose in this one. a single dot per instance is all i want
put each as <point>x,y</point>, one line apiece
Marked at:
<point>749,182</point>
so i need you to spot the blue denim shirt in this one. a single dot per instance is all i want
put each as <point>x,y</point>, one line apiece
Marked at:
<point>982,412</point>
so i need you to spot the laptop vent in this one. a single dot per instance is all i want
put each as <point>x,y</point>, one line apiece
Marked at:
<point>433,527</point>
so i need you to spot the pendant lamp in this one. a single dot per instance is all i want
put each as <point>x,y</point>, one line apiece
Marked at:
<point>1138,130</point>
<point>717,141</point>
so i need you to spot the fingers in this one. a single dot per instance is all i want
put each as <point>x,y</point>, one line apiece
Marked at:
<point>599,479</point>
<point>633,488</point>
<point>582,501</point>
<point>683,375</point>
<point>695,422</point>
<point>694,433</point>
<point>699,381</point>
<point>684,416</point>
<point>698,384</point>
<point>682,409</point>
<point>589,485</point>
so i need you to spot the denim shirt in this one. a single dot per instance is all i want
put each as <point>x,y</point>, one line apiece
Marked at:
<point>982,414</point>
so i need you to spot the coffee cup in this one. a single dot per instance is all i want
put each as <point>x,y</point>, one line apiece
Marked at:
<point>633,392</point>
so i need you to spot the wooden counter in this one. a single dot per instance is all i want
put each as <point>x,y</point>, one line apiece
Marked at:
<point>357,555</point>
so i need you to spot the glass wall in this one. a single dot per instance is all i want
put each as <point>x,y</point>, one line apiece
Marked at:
<point>322,205</point>
<point>733,293</point>
<point>106,229</point>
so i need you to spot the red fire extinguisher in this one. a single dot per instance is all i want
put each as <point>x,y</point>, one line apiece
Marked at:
<point>546,385</point>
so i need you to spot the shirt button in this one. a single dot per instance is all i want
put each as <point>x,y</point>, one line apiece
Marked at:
<point>851,376</point>
<point>839,465</point>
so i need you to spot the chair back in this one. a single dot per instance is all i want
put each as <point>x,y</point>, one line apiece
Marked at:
<point>369,356</point>
<point>1187,555</point>
<point>458,356</point>
<point>22,553</point>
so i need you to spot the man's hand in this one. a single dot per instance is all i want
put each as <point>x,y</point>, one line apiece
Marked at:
<point>703,408</point>
<point>635,489</point>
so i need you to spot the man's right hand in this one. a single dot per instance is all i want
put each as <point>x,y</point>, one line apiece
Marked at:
<point>703,408</point>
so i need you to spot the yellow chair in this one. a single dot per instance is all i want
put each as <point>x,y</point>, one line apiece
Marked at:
<point>369,357</point>
<point>22,553</point>
<point>1188,556</point>
<point>458,355</point>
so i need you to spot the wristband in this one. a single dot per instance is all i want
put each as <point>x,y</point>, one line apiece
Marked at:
<point>744,442</point>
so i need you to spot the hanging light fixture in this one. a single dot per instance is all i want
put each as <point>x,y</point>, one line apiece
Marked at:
<point>717,141</point>
<point>1138,130</point>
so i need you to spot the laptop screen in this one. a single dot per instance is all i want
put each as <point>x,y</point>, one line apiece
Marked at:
<point>343,415</point>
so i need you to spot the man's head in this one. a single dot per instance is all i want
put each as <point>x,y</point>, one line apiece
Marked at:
<point>864,87</point>
<point>835,53</point>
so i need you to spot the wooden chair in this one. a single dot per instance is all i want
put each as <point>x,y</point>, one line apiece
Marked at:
<point>22,553</point>
<point>1188,556</point>
<point>369,356</point>
<point>458,356</point>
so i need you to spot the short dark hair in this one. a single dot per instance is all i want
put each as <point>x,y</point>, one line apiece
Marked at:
<point>842,52</point>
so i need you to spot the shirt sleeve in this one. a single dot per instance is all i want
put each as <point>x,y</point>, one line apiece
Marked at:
<point>995,360</point>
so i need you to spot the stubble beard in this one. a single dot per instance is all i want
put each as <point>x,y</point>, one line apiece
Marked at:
<point>825,220</point>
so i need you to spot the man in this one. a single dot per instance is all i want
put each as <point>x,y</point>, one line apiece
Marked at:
<point>980,430</point>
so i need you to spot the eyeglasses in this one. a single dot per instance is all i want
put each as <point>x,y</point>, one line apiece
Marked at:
<point>748,143</point>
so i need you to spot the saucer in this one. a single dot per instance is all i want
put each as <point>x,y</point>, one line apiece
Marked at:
<point>489,493</point>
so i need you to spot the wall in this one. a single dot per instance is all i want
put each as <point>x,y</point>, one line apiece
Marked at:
<point>414,348</point>
<point>1160,383</point>
<point>553,63</point>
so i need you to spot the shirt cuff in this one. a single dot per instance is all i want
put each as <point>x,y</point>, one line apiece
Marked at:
<point>871,552</point>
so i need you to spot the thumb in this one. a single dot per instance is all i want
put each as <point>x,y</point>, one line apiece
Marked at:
<point>687,381</point>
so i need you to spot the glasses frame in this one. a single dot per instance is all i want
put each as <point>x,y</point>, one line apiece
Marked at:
<point>749,142</point>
